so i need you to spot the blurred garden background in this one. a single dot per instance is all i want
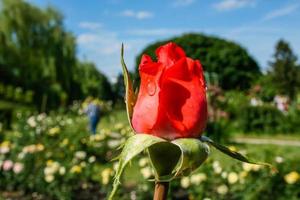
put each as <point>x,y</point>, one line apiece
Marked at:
<point>54,54</point>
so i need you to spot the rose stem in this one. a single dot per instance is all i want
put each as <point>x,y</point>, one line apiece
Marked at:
<point>161,190</point>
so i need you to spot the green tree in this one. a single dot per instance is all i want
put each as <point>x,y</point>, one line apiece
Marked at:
<point>284,71</point>
<point>93,82</point>
<point>235,68</point>
<point>37,53</point>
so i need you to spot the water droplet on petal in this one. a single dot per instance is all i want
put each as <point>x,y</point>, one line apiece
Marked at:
<point>151,88</point>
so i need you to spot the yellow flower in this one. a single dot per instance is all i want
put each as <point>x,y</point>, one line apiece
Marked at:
<point>5,143</point>
<point>243,174</point>
<point>53,131</point>
<point>232,177</point>
<point>39,147</point>
<point>292,177</point>
<point>232,148</point>
<point>105,174</point>
<point>65,142</point>
<point>76,169</point>
<point>49,162</point>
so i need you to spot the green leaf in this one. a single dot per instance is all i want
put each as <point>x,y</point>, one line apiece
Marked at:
<point>234,154</point>
<point>133,146</point>
<point>130,96</point>
<point>193,154</point>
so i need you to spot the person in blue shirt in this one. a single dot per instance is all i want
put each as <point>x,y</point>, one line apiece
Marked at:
<point>93,112</point>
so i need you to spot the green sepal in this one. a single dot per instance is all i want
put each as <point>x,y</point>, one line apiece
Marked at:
<point>176,158</point>
<point>193,154</point>
<point>130,95</point>
<point>169,159</point>
<point>234,154</point>
<point>164,157</point>
<point>132,147</point>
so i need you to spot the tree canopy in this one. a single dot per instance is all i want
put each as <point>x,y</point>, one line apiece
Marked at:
<point>235,68</point>
<point>284,71</point>
<point>38,53</point>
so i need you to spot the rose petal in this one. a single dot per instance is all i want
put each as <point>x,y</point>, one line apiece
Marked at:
<point>146,107</point>
<point>180,70</point>
<point>169,54</point>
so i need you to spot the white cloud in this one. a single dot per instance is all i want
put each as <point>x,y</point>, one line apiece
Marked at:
<point>281,12</point>
<point>90,25</point>
<point>104,42</point>
<point>103,48</point>
<point>137,14</point>
<point>226,5</point>
<point>180,3</point>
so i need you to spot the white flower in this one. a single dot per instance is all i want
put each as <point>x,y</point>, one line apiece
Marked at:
<point>49,178</point>
<point>41,116</point>
<point>62,170</point>
<point>216,164</point>
<point>146,172</point>
<point>196,179</point>
<point>145,187</point>
<point>143,162</point>
<point>31,122</point>
<point>80,155</point>
<point>232,177</point>
<point>51,168</point>
<point>185,182</point>
<point>115,166</point>
<point>279,159</point>
<point>18,167</point>
<point>92,159</point>
<point>224,175</point>
<point>222,189</point>
<point>247,167</point>
<point>217,168</point>
<point>256,168</point>
<point>83,164</point>
<point>4,149</point>
<point>21,155</point>
<point>113,143</point>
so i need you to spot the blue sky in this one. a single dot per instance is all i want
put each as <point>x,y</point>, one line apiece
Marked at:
<point>100,26</point>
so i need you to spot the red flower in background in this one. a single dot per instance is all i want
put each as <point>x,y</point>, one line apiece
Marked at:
<point>171,102</point>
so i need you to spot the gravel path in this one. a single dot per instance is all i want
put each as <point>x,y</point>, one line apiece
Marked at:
<point>279,142</point>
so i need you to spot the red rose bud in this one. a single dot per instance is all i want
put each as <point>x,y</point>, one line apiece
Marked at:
<point>171,102</point>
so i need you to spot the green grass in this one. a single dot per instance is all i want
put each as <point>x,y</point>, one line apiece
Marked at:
<point>116,116</point>
<point>291,136</point>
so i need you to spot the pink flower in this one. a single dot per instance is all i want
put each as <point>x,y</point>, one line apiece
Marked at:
<point>7,165</point>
